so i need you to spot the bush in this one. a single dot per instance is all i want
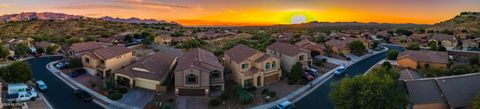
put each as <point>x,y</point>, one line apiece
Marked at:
<point>123,90</point>
<point>224,96</point>
<point>252,88</point>
<point>264,91</point>
<point>392,54</point>
<point>246,98</point>
<point>386,65</point>
<point>272,94</point>
<point>214,102</point>
<point>115,95</point>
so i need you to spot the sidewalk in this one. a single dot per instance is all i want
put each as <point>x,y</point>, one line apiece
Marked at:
<point>307,89</point>
<point>75,85</point>
<point>332,60</point>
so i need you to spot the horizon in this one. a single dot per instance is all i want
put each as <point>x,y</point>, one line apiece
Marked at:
<point>260,13</point>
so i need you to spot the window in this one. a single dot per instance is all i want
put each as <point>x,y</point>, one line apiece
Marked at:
<point>244,66</point>
<point>300,58</point>
<point>248,83</point>
<point>216,74</point>
<point>267,66</point>
<point>191,79</point>
<point>102,61</point>
<point>87,60</point>
<point>274,64</point>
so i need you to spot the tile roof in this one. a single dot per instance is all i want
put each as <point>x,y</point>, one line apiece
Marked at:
<point>154,67</point>
<point>111,52</point>
<point>442,37</point>
<point>424,92</point>
<point>407,74</point>
<point>425,56</point>
<point>263,58</point>
<point>43,44</point>
<point>196,58</point>
<point>240,52</point>
<point>285,48</point>
<point>312,46</point>
<point>87,46</point>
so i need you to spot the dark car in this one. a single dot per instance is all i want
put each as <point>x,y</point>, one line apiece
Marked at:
<point>77,73</point>
<point>82,95</point>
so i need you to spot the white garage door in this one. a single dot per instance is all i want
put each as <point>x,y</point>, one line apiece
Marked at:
<point>145,84</point>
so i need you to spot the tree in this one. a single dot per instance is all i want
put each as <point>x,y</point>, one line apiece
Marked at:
<point>441,48</point>
<point>474,60</point>
<point>476,102</point>
<point>90,38</point>
<point>387,65</point>
<point>21,49</point>
<point>413,47</point>
<point>392,54</point>
<point>17,72</point>
<point>404,32</point>
<point>357,48</point>
<point>296,72</point>
<point>53,49</point>
<point>4,52</point>
<point>371,91</point>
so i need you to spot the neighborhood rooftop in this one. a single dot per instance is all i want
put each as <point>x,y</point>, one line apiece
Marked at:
<point>87,46</point>
<point>197,58</point>
<point>425,56</point>
<point>153,67</point>
<point>285,48</point>
<point>240,52</point>
<point>110,52</point>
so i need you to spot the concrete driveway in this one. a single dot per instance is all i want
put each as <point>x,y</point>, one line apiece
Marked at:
<point>137,97</point>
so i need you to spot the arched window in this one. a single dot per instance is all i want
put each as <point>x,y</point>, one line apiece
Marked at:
<point>274,64</point>
<point>267,66</point>
<point>191,79</point>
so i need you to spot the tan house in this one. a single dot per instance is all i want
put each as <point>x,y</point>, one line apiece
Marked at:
<point>447,41</point>
<point>315,49</point>
<point>198,73</point>
<point>43,45</point>
<point>103,62</point>
<point>289,55</point>
<point>168,40</point>
<point>76,50</point>
<point>340,45</point>
<point>418,59</point>
<point>151,72</point>
<point>251,67</point>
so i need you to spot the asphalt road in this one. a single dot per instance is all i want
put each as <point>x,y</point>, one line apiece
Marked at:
<point>319,98</point>
<point>59,94</point>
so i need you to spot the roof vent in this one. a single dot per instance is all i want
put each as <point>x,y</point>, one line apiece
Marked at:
<point>140,69</point>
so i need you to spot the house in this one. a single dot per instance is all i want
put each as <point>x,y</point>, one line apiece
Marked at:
<point>104,62</point>
<point>315,49</point>
<point>447,41</point>
<point>251,67</point>
<point>76,50</point>
<point>151,72</point>
<point>417,59</point>
<point>289,55</point>
<point>199,73</point>
<point>469,45</point>
<point>168,40</point>
<point>340,45</point>
<point>451,92</point>
<point>43,45</point>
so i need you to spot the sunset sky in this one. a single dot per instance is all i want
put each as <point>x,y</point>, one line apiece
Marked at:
<point>254,12</point>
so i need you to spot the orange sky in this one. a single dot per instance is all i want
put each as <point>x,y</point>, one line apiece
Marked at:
<point>254,12</point>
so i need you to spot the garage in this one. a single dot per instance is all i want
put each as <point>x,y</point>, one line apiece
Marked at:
<point>191,92</point>
<point>147,84</point>
<point>272,78</point>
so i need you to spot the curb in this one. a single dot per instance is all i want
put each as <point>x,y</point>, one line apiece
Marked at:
<point>76,86</point>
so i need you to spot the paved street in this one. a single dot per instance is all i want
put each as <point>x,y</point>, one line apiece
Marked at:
<point>319,98</point>
<point>59,94</point>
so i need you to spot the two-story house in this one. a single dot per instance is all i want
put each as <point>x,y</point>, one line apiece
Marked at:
<point>198,73</point>
<point>251,67</point>
<point>103,62</point>
<point>447,41</point>
<point>289,55</point>
<point>76,50</point>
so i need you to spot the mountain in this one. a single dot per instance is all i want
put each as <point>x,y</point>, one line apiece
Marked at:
<point>469,21</point>
<point>24,16</point>
<point>136,20</point>
<point>328,26</point>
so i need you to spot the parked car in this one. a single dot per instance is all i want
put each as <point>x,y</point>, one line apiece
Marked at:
<point>312,72</point>
<point>308,76</point>
<point>61,64</point>
<point>41,85</point>
<point>82,95</point>
<point>285,105</point>
<point>339,71</point>
<point>36,54</point>
<point>77,73</point>
<point>22,96</point>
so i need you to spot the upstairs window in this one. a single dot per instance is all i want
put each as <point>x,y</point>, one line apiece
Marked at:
<point>300,58</point>
<point>274,64</point>
<point>244,66</point>
<point>87,60</point>
<point>216,74</point>
<point>191,79</point>
<point>267,66</point>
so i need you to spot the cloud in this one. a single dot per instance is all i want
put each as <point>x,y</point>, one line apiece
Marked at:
<point>93,6</point>
<point>5,5</point>
<point>155,4</point>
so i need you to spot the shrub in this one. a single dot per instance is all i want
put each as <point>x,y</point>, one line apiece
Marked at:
<point>252,88</point>
<point>264,91</point>
<point>214,102</point>
<point>246,98</point>
<point>224,96</point>
<point>115,96</point>
<point>392,54</point>
<point>272,94</point>
<point>386,65</point>
<point>123,90</point>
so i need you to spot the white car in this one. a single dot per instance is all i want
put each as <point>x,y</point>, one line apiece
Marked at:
<point>284,105</point>
<point>339,71</point>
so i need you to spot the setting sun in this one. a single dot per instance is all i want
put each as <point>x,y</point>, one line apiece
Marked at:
<point>298,19</point>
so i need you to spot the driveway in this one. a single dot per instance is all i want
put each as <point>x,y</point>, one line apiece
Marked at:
<point>192,102</point>
<point>320,99</point>
<point>137,97</point>
<point>59,94</point>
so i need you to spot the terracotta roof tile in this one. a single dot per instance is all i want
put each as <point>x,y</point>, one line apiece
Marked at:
<point>87,46</point>
<point>240,52</point>
<point>285,48</point>
<point>425,56</point>
<point>154,67</point>
<point>111,52</point>
<point>195,57</point>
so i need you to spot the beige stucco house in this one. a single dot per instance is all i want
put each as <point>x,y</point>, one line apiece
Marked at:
<point>198,73</point>
<point>103,62</point>
<point>447,41</point>
<point>289,55</point>
<point>411,59</point>
<point>151,72</point>
<point>76,50</point>
<point>251,67</point>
